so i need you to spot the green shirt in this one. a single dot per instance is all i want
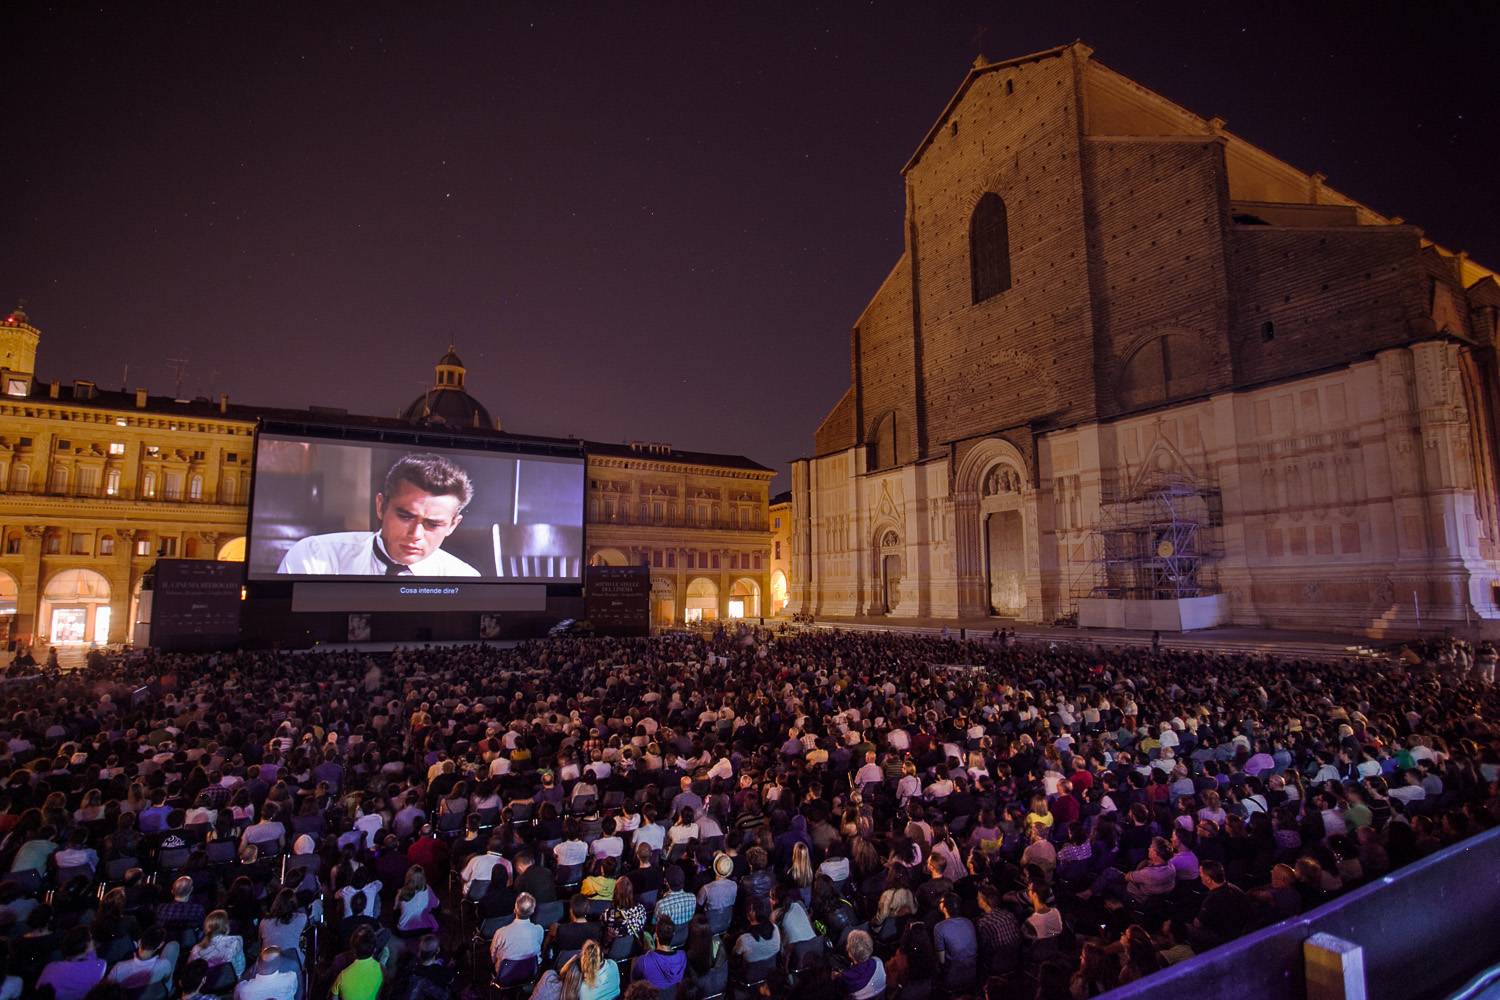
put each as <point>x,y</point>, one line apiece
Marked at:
<point>360,981</point>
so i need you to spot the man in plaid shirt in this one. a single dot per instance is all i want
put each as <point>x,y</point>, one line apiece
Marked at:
<point>180,914</point>
<point>675,903</point>
<point>999,933</point>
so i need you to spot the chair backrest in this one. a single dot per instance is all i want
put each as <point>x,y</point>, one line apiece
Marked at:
<point>714,982</point>
<point>28,880</point>
<point>815,945</point>
<point>531,551</point>
<point>1043,949</point>
<point>66,875</point>
<point>622,948</point>
<point>719,919</point>
<point>516,972</point>
<point>679,939</point>
<point>172,858</point>
<point>759,972</point>
<point>220,852</point>
<point>221,979</point>
<point>548,914</point>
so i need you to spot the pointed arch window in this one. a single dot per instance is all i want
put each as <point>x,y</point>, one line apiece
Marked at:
<point>989,248</point>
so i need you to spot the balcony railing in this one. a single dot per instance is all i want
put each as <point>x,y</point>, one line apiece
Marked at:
<point>104,493</point>
<point>679,522</point>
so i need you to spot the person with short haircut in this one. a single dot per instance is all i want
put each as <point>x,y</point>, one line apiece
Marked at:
<point>153,962</point>
<point>1225,910</point>
<point>676,905</point>
<point>957,944</point>
<point>520,939</point>
<point>362,978</point>
<point>663,966</point>
<point>569,935</point>
<point>274,977</point>
<point>77,970</point>
<point>421,504</point>
<point>865,977</point>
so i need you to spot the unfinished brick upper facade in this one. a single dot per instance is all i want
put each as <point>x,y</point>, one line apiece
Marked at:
<point>1169,301</point>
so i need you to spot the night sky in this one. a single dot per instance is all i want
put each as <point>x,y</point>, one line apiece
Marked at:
<point>635,221</point>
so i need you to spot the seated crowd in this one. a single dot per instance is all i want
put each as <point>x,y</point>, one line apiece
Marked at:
<point>838,814</point>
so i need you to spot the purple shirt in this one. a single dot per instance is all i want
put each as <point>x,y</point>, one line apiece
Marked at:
<point>72,980</point>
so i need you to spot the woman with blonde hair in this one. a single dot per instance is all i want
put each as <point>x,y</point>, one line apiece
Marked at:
<point>1039,813</point>
<point>601,977</point>
<point>414,904</point>
<point>1212,810</point>
<point>218,946</point>
<point>802,870</point>
<point>91,808</point>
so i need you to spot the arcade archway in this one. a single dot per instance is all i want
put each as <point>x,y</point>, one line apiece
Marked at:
<point>75,607</point>
<point>702,602</point>
<point>744,599</point>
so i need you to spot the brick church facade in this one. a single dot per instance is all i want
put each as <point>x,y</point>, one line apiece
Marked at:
<point>1128,357</point>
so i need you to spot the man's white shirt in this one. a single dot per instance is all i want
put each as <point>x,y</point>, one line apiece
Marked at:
<point>352,553</point>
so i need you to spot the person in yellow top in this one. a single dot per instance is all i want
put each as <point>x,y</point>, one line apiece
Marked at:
<point>1039,814</point>
<point>601,884</point>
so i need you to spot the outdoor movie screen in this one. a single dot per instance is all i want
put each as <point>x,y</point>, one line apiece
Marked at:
<point>340,510</point>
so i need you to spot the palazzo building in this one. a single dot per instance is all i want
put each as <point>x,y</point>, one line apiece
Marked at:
<point>698,520</point>
<point>97,485</point>
<point>1132,366</point>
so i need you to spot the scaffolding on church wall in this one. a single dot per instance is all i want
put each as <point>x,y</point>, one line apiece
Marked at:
<point>1157,540</point>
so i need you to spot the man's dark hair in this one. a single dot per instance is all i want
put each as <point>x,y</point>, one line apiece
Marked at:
<point>431,474</point>
<point>362,942</point>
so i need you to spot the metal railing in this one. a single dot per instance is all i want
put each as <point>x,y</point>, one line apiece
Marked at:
<point>120,493</point>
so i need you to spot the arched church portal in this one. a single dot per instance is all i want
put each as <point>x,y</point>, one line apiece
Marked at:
<point>995,524</point>
<point>891,564</point>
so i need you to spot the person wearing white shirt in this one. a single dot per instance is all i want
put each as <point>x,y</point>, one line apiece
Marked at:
<point>481,867</point>
<point>609,845</point>
<point>421,504</point>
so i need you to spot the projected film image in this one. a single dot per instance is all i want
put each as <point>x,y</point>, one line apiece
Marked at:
<point>333,509</point>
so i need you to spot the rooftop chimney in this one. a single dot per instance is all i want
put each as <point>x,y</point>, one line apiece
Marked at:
<point>140,399</point>
<point>224,403</point>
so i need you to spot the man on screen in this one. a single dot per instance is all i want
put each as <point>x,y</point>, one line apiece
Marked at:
<point>423,501</point>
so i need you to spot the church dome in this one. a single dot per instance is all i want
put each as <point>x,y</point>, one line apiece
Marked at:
<point>447,403</point>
